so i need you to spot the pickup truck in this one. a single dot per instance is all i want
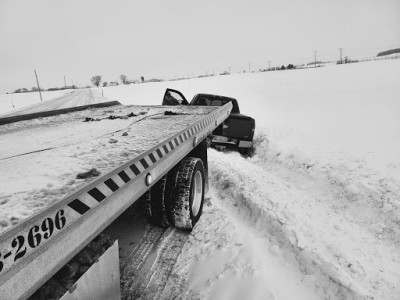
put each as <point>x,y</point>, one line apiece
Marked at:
<point>236,132</point>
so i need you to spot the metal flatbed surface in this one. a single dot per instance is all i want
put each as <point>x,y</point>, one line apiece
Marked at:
<point>40,159</point>
<point>132,155</point>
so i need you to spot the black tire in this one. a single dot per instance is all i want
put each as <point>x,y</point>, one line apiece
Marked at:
<point>158,200</point>
<point>188,193</point>
<point>246,152</point>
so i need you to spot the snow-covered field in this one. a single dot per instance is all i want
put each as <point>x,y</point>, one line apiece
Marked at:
<point>315,213</point>
<point>13,102</point>
<point>62,100</point>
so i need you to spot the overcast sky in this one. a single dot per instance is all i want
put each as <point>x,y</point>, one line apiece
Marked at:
<point>161,39</point>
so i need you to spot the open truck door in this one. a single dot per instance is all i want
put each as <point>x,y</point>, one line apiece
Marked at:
<point>174,97</point>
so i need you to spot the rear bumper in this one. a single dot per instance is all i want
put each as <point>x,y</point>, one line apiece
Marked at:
<point>231,143</point>
<point>245,144</point>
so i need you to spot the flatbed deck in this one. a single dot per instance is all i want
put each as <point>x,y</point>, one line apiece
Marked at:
<point>40,159</point>
<point>65,179</point>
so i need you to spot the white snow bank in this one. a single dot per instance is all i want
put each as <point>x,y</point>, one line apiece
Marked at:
<point>349,109</point>
<point>71,98</point>
<point>10,103</point>
<point>225,258</point>
<point>370,196</point>
<point>340,122</point>
<point>311,225</point>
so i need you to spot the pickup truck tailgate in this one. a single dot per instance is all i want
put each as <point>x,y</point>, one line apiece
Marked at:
<point>237,126</point>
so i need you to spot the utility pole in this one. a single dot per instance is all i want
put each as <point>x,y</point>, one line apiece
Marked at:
<point>65,83</point>
<point>341,53</point>
<point>249,67</point>
<point>315,59</point>
<point>37,81</point>
<point>229,70</point>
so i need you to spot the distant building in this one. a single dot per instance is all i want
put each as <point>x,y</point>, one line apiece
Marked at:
<point>132,81</point>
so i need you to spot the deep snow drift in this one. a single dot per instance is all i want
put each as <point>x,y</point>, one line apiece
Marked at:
<point>316,212</point>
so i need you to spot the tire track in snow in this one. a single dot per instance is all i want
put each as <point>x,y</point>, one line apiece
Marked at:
<point>261,199</point>
<point>147,253</point>
<point>149,267</point>
<point>364,193</point>
<point>226,259</point>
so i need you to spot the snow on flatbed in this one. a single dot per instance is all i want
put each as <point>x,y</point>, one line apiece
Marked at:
<point>40,159</point>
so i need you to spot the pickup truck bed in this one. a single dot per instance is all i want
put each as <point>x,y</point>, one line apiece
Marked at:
<point>236,132</point>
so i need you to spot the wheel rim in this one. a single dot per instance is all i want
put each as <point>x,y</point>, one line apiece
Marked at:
<point>197,193</point>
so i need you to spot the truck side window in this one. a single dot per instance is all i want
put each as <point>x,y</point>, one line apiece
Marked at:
<point>173,98</point>
<point>202,101</point>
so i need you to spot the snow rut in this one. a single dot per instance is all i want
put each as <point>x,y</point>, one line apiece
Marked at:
<point>301,217</point>
<point>365,194</point>
<point>146,272</point>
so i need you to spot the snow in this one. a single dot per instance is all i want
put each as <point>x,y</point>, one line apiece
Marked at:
<point>232,261</point>
<point>312,225</point>
<point>11,103</point>
<point>40,158</point>
<point>314,214</point>
<point>69,98</point>
<point>322,189</point>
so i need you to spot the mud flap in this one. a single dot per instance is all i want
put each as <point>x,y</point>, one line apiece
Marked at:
<point>101,281</point>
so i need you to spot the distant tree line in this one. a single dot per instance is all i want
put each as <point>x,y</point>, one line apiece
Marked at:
<point>283,67</point>
<point>62,88</point>
<point>388,52</point>
<point>35,89</point>
<point>97,81</point>
<point>346,60</point>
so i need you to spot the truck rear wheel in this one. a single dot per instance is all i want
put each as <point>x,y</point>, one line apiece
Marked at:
<point>158,201</point>
<point>246,152</point>
<point>188,199</point>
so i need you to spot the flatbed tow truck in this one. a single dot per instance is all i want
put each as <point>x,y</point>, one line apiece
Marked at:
<point>159,152</point>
